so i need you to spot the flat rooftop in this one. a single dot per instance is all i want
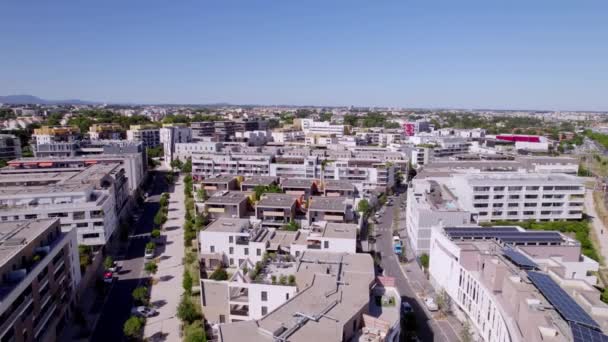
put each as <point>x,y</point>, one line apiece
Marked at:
<point>218,179</point>
<point>228,225</point>
<point>277,201</point>
<point>336,230</point>
<point>261,180</point>
<point>297,183</point>
<point>16,235</point>
<point>339,185</point>
<point>318,203</point>
<point>228,197</point>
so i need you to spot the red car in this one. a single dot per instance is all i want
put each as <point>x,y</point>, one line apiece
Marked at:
<point>108,277</point>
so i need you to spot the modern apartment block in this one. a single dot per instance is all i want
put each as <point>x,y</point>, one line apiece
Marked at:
<point>53,134</point>
<point>220,131</point>
<point>331,302</point>
<point>520,197</point>
<point>88,201</point>
<point>131,158</point>
<point>517,285</point>
<point>148,135</point>
<point>332,209</point>
<point>235,204</point>
<point>220,183</point>
<point>277,210</point>
<point>10,147</point>
<point>170,136</point>
<point>310,126</point>
<point>184,151</point>
<point>39,273</point>
<point>106,131</point>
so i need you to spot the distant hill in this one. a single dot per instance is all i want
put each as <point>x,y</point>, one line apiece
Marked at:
<point>30,99</point>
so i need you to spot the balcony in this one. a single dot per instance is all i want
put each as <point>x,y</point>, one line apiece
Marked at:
<point>273,213</point>
<point>17,312</point>
<point>239,310</point>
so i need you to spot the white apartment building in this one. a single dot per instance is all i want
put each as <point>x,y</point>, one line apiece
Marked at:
<point>242,164</point>
<point>88,201</point>
<point>489,277</point>
<point>184,151</point>
<point>287,136</point>
<point>430,204</point>
<point>316,139</point>
<point>521,196</point>
<point>170,136</point>
<point>310,126</point>
<point>148,135</point>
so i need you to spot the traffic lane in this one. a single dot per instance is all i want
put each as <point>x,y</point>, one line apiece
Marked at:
<point>117,308</point>
<point>392,268</point>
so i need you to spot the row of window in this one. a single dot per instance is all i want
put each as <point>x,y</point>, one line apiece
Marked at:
<point>527,205</point>
<point>528,188</point>
<point>77,215</point>
<point>544,212</point>
<point>486,197</point>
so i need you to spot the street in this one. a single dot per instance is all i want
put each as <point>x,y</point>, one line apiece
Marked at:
<point>428,328</point>
<point>117,308</point>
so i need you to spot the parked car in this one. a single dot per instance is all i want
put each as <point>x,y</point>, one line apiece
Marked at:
<point>430,304</point>
<point>149,254</point>
<point>108,277</point>
<point>406,307</point>
<point>143,311</point>
<point>114,268</point>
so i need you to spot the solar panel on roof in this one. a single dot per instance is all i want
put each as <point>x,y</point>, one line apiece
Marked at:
<point>519,259</point>
<point>563,303</point>
<point>581,333</point>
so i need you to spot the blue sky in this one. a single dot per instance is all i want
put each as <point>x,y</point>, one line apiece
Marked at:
<point>467,54</point>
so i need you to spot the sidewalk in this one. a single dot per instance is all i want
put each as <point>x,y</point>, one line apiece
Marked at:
<point>166,293</point>
<point>597,224</point>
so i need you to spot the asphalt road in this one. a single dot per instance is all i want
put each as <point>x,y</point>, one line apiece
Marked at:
<point>117,308</point>
<point>428,329</point>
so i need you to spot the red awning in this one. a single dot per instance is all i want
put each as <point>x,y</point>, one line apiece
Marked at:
<point>30,163</point>
<point>90,162</point>
<point>14,163</point>
<point>45,164</point>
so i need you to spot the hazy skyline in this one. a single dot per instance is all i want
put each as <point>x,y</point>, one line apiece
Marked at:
<point>465,54</point>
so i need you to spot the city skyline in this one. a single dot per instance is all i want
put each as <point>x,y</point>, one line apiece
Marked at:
<point>472,54</point>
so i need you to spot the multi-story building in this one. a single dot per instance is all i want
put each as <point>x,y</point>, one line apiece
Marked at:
<point>220,183</point>
<point>130,157</point>
<point>148,135</point>
<point>39,273</point>
<point>89,201</point>
<point>184,151</point>
<point>320,139</point>
<point>302,187</point>
<point>310,126</point>
<point>521,196</point>
<point>210,164</point>
<point>106,131</point>
<point>170,136</point>
<point>332,209</point>
<point>235,204</point>
<point>325,306</point>
<point>287,136</point>
<point>277,210</point>
<point>412,128</point>
<point>10,147</point>
<point>332,188</point>
<point>56,134</point>
<point>250,183</point>
<point>220,131</point>
<point>517,285</point>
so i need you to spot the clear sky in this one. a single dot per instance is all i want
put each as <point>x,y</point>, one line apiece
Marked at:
<point>536,54</point>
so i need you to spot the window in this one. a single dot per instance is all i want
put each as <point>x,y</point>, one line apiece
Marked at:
<point>528,213</point>
<point>532,188</point>
<point>547,188</point>
<point>499,196</point>
<point>246,251</point>
<point>513,196</point>
<point>326,244</point>
<point>230,239</point>
<point>481,197</point>
<point>231,261</point>
<point>222,319</point>
<point>264,310</point>
<point>497,205</point>
<point>531,196</point>
<point>499,188</point>
<point>31,216</point>
<point>546,204</point>
<point>497,213</point>
<point>264,296</point>
<point>82,225</point>
<point>480,205</point>
<point>90,236</point>
<point>530,205</point>
<point>231,250</point>
<point>483,213</point>
<point>287,296</point>
<point>515,188</point>
<point>212,249</point>
<point>513,205</point>
<point>78,215</point>
<point>512,213</point>
<point>481,188</point>
<point>258,252</point>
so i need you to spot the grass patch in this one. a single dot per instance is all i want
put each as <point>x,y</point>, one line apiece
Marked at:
<point>580,230</point>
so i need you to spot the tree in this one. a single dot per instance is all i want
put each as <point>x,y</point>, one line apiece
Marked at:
<point>169,177</point>
<point>151,267</point>
<point>219,274</point>
<point>176,164</point>
<point>465,334</point>
<point>150,246</point>
<point>291,279</point>
<point>133,326</point>
<point>604,296</point>
<point>186,311</point>
<point>155,234</point>
<point>187,167</point>
<point>108,262</point>
<point>292,226</point>
<point>140,295</point>
<point>195,333</point>
<point>160,218</point>
<point>363,207</point>
<point>424,261</point>
<point>443,301</point>
<point>325,116</point>
<point>187,282</point>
